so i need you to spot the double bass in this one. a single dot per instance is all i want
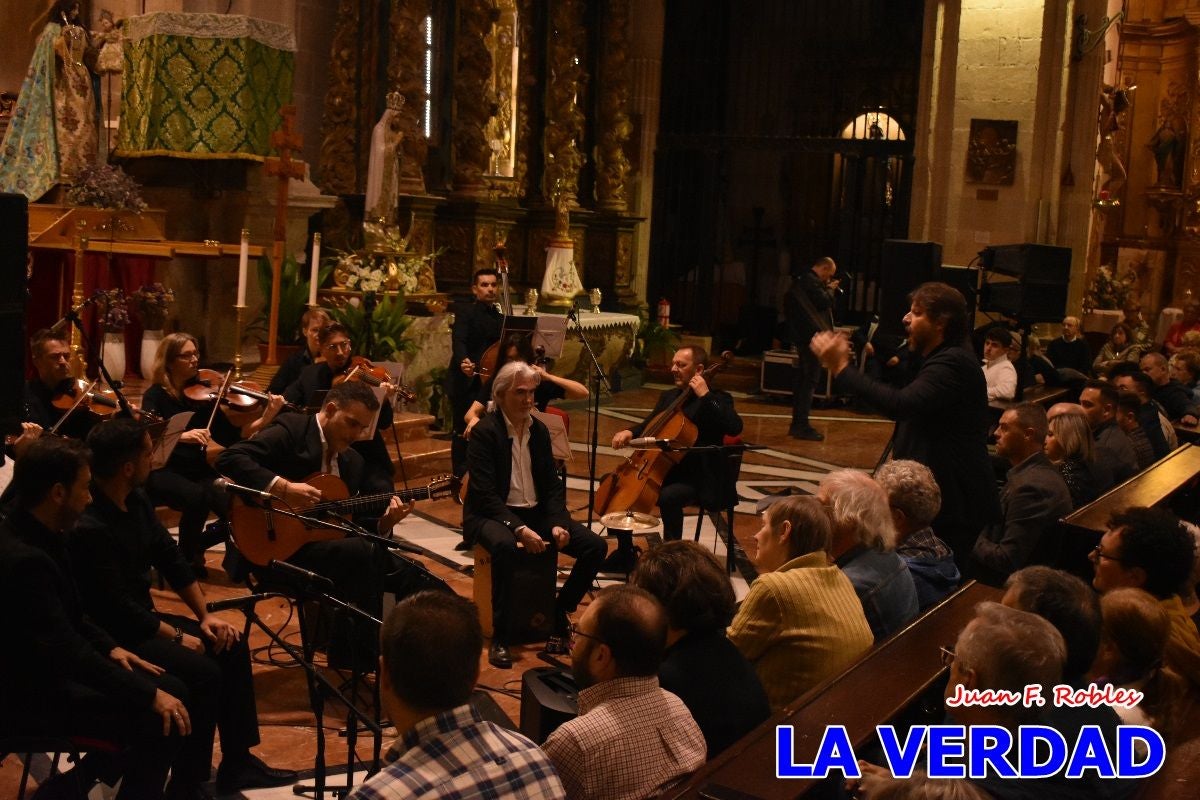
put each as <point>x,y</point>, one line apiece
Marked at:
<point>488,361</point>
<point>635,484</point>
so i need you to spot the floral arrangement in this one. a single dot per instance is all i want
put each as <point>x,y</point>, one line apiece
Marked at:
<point>106,186</point>
<point>358,275</point>
<point>114,311</point>
<point>153,300</point>
<point>1109,291</point>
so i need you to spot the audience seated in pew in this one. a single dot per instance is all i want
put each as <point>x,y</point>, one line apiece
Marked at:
<point>801,622</point>
<point>1185,368</point>
<point>914,499</point>
<point>1150,416</point>
<point>1175,399</point>
<point>1129,407</point>
<point>701,666</point>
<point>1069,448</point>
<point>1114,450</point>
<point>864,538</point>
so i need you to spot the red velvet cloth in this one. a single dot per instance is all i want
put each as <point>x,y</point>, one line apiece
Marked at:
<point>50,288</point>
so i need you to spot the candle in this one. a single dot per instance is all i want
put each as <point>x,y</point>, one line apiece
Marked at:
<point>315,270</point>
<point>243,264</point>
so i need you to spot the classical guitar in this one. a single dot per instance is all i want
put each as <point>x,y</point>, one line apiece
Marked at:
<point>261,534</point>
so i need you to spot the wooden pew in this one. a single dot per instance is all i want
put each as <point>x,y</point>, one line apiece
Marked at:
<point>1163,481</point>
<point>1045,395</point>
<point>876,689</point>
<point>1187,433</point>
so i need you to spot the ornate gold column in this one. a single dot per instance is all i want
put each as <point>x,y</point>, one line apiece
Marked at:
<point>613,124</point>
<point>406,74</point>
<point>474,104</point>
<point>566,40</point>
<point>347,123</point>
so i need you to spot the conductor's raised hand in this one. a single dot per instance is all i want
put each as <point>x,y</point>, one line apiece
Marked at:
<point>832,349</point>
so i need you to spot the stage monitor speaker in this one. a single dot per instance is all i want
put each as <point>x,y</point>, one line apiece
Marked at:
<point>966,280</point>
<point>905,266</point>
<point>549,697</point>
<point>14,255</point>
<point>1040,292</point>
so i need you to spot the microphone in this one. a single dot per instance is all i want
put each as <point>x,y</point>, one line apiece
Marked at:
<point>649,443</point>
<point>245,491</point>
<point>310,579</point>
<point>241,603</point>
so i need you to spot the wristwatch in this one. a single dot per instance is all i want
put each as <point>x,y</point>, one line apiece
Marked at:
<point>178,637</point>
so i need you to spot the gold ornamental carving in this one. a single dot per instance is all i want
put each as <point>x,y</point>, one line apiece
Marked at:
<point>456,262</point>
<point>624,258</point>
<point>474,101</point>
<point>502,42</point>
<point>406,71</point>
<point>528,149</point>
<point>339,158</point>
<point>613,124</point>
<point>566,87</point>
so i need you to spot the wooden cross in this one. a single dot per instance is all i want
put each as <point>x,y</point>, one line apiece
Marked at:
<point>284,168</point>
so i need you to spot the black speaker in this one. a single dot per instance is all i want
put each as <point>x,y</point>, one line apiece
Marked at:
<point>1039,293</point>
<point>14,256</point>
<point>966,280</point>
<point>549,697</point>
<point>905,266</point>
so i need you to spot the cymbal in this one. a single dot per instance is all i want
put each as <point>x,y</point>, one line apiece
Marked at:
<point>630,521</point>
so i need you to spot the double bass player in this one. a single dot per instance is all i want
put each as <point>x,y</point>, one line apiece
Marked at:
<point>696,476</point>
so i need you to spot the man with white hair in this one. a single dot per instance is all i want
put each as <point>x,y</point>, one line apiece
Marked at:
<point>914,499</point>
<point>864,547</point>
<point>515,498</point>
<point>1070,351</point>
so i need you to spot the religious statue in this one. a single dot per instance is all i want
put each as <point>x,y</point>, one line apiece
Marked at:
<point>111,58</point>
<point>1113,103</point>
<point>52,133</point>
<point>383,174</point>
<point>1167,144</point>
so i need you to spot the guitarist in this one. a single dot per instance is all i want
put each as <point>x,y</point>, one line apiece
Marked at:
<point>715,418</point>
<point>808,308</point>
<point>281,456</point>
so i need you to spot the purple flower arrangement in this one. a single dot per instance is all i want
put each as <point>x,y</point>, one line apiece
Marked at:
<point>106,186</point>
<point>153,300</point>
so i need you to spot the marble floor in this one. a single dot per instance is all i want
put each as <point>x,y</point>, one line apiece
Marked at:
<point>288,723</point>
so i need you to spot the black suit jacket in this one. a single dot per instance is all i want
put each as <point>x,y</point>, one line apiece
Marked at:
<point>941,421</point>
<point>290,448</point>
<point>489,462</point>
<point>476,326</point>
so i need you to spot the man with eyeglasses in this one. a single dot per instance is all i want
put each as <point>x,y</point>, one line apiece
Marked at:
<point>648,737</point>
<point>52,362</point>
<point>1149,549</point>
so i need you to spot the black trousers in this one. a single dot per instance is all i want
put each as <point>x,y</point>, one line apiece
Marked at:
<point>462,392</point>
<point>194,499</point>
<point>587,548</point>
<point>804,385</point>
<point>221,686</point>
<point>678,490</point>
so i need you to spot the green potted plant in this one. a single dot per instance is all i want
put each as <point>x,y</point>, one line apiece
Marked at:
<point>655,343</point>
<point>388,324</point>
<point>293,302</point>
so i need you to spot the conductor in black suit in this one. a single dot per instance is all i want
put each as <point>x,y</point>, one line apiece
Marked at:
<point>941,414</point>
<point>516,497</point>
<point>476,326</point>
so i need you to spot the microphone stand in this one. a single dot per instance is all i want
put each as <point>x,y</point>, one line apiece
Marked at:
<point>73,316</point>
<point>598,381</point>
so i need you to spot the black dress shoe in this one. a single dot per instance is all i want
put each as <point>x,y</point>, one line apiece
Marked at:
<point>499,657</point>
<point>251,773</point>
<point>808,433</point>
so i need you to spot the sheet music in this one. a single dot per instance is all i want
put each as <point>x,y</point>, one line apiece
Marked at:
<point>165,445</point>
<point>369,431</point>
<point>551,333</point>
<point>560,445</point>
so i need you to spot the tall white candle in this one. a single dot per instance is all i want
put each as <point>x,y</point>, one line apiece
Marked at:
<point>243,265</point>
<point>315,270</point>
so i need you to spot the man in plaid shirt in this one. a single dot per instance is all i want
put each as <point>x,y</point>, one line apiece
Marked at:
<point>430,649</point>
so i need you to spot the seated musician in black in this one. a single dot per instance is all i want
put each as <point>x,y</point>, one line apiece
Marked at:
<point>63,675</point>
<point>52,361</point>
<point>297,446</point>
<point>311,323</point>
<point>697,475</point>
<point>185,482</point>
<point>336,351</point>
<point>515,497</point>
<point>116,543</point>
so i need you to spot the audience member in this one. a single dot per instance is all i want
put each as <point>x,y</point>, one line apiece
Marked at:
<point>1069,353</point>
<point>429,663</point>
<point>998,371</point>
<point>914,497</point>
<point>1173,342</point>
<point>1129,408</point>
<point>1069,448</point>
<point>801,621</point>
<point>1139,328</point>
<point>878,784</point>
<point>1175,399</point>
<point>1043,372</point>
<point>1147,548</point>
<point>864,542</point>
<point>1034,498</point>
<point>1185,368</point>
<point>702,667</point>
<point>632,738</point>
<point>1119,347</point>
<point>1113,449</point>
<point>1150,415</point>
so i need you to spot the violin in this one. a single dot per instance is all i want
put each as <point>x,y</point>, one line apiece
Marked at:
<point>241,396</point>
<point>361,369</point>
<point>76,392</point>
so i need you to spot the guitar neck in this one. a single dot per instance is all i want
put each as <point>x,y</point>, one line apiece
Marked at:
<point>367,502</point>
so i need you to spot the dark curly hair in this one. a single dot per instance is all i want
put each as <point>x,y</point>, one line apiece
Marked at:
<point>1153,540</point>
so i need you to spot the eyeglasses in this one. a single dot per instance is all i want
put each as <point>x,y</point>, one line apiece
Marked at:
<point>1099,554</point>
<point>339,345</point>
<point>948,655</point>
<point>574,633</point>
<point>192,356</point>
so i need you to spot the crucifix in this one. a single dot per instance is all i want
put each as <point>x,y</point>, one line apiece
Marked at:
<point>284,168</point>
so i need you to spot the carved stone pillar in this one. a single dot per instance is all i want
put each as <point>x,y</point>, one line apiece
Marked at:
<point>474,103</point>
<point>613,124</point>
<point>406,72</point>
<point>527,174</point>
<point>347,122</point>
<point>565,82</point>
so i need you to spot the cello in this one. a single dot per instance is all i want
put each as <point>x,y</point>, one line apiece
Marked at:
<point>488,360</point>
<point>634,485</point>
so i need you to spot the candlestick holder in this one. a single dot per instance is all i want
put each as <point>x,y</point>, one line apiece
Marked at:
<point>237,348</point>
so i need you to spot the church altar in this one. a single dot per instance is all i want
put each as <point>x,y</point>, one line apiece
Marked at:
<point>203,85</point>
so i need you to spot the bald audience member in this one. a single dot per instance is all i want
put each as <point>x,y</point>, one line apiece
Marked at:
<point>1070,353</point>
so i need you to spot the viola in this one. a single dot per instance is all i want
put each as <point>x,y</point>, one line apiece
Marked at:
<point>241,396</point>
<point>361,369</point>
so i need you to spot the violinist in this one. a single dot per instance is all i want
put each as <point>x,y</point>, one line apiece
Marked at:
<point>715,418</point>
<point>336,360</point>
<point>476,326</point>
<point>552,387</point>
<point>52,362</point>
<point>311,323</point>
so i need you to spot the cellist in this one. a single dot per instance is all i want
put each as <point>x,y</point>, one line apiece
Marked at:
<point>476,327</point>
<point>713,413</point>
